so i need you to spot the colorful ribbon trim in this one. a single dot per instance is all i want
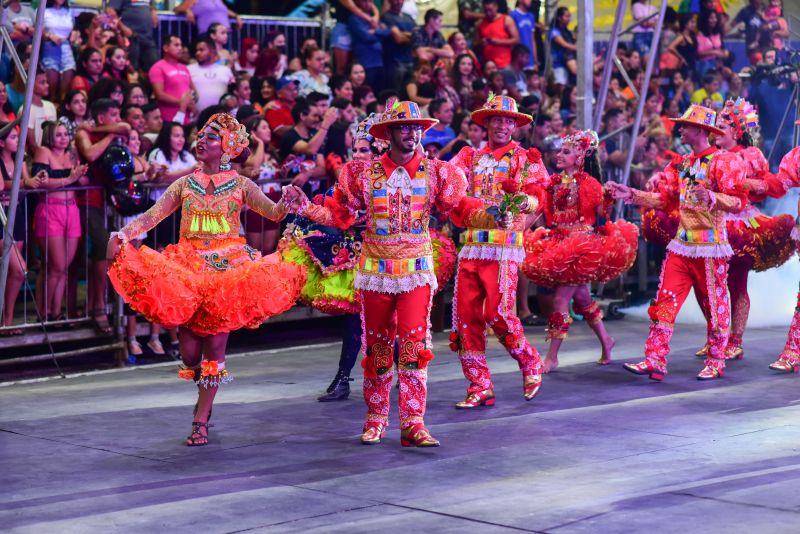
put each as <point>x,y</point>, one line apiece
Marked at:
<point>703,236</point>
<point>395,267</point>
<point>491,237</point>
<point>392,214</point>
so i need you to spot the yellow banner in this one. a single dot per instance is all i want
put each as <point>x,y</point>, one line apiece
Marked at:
<point>604,10</point>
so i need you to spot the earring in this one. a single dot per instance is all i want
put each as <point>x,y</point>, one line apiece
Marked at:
<point>225,162</point>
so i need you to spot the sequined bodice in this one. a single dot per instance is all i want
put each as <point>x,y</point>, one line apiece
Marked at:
<point>566,205</point>
<point>210,206</point>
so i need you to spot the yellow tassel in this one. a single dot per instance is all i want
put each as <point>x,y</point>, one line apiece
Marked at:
<point>225,226</point>
<point>195,226</point>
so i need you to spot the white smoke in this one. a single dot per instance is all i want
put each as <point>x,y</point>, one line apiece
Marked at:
<point>773,294</point>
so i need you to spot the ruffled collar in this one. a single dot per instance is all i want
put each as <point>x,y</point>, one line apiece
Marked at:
<point>700,155</point>
<point>411,167</point>
<point>498,152</point>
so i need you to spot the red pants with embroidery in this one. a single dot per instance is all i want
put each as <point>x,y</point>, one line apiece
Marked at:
<point>708,278</point>
<point>412,312</point>
<point>738,271</point>
<point>485,294</point>
<point>791,351</point>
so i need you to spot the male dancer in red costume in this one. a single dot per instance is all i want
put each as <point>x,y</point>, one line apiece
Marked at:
<point>486,282</point>
<point>759,242</point>
<point>707,183</point>
<point>398,191</point>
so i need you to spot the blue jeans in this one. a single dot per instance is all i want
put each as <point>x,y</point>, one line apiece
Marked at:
<point>642,41</point>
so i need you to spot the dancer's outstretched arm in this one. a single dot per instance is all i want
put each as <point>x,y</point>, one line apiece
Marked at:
<point>634,196</point>
<point>340,210</point>
<point>169,202</point>
<point>261,204</point>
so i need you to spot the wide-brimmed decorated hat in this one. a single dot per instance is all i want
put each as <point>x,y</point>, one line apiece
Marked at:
<point>500,106</point>
<point>701,117</point>
<point>399,112</point>
<point>741,114</point>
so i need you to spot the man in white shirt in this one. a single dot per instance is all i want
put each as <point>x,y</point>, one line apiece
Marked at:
<point>41,111</point>
<point>210,79</point>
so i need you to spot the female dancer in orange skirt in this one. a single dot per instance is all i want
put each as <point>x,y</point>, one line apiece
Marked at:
<point>570,251</point>
<point>211,282</point>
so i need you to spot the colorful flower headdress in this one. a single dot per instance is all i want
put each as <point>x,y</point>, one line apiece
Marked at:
<point>741,114</point>
<point>361,130</point>
<point>234,136</point>
<point>584,140</point>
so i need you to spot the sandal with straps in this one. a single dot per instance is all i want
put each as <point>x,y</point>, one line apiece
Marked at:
<point>100,319</point>
<point>210,411</point>
<point>196,439</point>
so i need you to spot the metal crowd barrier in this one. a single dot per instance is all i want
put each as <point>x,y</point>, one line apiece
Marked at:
<point>255,26</point>
<point>30,310</point>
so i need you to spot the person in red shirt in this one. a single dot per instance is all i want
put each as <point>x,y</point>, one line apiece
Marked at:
<point>172,83</point>
<point>497,33</point>
<point>90,68</point>
<point>279,112</point>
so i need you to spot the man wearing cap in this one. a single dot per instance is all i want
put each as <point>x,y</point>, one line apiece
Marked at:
<point>486,281</point>
<point>279,111</point>
<point>395,276</point>
<point>706,185</point>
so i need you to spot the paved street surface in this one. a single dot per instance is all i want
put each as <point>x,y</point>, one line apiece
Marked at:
<point>599,450</point>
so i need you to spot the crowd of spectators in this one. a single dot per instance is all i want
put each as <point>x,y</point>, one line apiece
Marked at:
<point>102,84</point>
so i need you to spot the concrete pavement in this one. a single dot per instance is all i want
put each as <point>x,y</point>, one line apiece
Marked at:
<point>599,450</point>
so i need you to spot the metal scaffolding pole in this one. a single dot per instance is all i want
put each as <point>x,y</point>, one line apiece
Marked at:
<point>637,121</point>
<point>19,159</point>
<point>585,62</point>
<point>609,65</point>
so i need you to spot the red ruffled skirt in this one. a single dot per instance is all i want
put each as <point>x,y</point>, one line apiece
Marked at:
<point>659,227</point>
<point>210,290</point>
<point>444,257</point>
<point>562,257</point>
<point>762,242</point>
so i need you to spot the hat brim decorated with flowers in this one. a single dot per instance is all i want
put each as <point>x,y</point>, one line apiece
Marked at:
<point>399,113</point>
<point>500,106</point>
<point>700,116</point>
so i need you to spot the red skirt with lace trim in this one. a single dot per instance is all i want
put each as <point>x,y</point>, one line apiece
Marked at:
<point>659,227</point>
<point>210,290</point>
<point>561,257</point>
<point>763,245</point>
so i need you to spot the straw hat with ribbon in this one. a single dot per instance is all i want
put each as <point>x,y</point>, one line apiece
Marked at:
<point>500,106</point>
<point>700,116</point>
<point>398,113</point>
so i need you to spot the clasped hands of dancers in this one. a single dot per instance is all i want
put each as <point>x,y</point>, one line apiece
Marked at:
<point>211,282</point>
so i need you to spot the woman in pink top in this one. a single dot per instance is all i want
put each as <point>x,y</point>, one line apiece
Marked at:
<point>709,43</point>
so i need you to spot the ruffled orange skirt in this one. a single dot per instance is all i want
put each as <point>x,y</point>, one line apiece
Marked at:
<point>210,290</point>
<point>763,245</point>
<point>575,257</point>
